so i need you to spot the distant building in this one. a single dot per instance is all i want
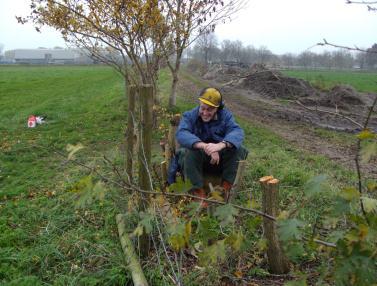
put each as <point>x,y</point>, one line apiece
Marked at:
<point>47,56</point>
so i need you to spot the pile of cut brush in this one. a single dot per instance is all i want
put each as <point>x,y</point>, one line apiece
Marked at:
<point>273,84</point>
<point>224,73</point>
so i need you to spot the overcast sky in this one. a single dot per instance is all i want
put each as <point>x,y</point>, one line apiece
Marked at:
<point>280,25</point>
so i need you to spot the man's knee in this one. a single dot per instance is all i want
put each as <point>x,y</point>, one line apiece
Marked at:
<point>235,154</point>
<point>242,153</point>
<point>194,155</point>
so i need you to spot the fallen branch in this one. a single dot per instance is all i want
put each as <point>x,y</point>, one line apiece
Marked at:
<point>330,112</point>
<point>132,260</point>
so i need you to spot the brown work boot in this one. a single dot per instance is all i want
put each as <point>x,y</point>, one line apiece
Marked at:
<point>227,187</point>
<point>202,194</point>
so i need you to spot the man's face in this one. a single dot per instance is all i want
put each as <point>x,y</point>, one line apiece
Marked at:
<point>206,112</point>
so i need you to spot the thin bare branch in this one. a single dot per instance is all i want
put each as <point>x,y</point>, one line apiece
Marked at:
<point>330,112</point>
<point>355,48</point>
<point>361,2</point>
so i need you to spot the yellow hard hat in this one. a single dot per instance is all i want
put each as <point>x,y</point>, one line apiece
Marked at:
<point>211,96</point>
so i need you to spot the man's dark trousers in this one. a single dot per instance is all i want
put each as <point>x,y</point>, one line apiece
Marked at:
<point>197,162</point>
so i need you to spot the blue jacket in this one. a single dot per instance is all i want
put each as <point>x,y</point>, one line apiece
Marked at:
<point>192,129</point>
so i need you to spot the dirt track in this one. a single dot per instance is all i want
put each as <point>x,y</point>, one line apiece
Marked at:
<point>295,124</point>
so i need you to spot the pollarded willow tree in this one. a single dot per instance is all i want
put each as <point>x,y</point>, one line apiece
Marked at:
<point>187,20</point>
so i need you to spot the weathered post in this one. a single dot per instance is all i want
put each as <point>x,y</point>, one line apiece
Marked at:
<point>171,145</point>
<point>145,154</point>
<point>164,172</point>
<point>145,144</point>
<point>239,175</point>
<point>130,133</point>
<point>277,261</point>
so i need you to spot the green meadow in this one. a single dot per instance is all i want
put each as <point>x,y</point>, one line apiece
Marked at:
<point>46,238</point>
<point>362,81</point>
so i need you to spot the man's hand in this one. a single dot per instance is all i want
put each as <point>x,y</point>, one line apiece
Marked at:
<point>215,158</point>
<point>200,145</point>
<point>214,147</point>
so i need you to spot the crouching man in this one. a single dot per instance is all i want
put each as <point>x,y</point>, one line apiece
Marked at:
<point>212,141</point>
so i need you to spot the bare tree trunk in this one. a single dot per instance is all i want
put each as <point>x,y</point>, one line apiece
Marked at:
<point>130,133</point>
<point>174,71</point>
<point>173,92</point>
<point>277,261</point>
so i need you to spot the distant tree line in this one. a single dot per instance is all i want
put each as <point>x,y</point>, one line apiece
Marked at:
<point>207,49</point>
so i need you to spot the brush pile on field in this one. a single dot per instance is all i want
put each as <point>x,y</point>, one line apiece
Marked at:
<point>274,84</point>
<point>343,96</point>
<point>259,78</point>
<point>224,73</point>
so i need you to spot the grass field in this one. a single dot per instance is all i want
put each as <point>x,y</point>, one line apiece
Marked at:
<point>45,239</point>
<point>360,80</point>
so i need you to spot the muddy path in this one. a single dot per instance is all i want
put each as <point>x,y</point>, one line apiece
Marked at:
<point>298,126</point>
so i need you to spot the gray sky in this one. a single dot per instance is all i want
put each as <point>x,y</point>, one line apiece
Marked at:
<point>280,25</point>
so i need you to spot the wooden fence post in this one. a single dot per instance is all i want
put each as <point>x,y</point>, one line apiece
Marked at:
<point>239,175</point>
<point>130,133</point>
<point>171,144</point>
<point>145,154</point>
<point>145,144</point>
<point>277,261</point>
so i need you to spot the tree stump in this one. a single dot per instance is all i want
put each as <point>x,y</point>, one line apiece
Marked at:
<point>277,261</point>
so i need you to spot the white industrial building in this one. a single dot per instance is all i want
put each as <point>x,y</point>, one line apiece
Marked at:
<point>47,56</point>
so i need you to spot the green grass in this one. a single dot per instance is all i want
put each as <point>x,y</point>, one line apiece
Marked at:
<point>361,81</point>
<point>81,105</point>
<point>45,239</point>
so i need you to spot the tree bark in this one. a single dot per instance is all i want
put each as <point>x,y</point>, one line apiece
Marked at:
<point>277,261</point>
<point>132,260</point>
<point>174,71</point>
<point>173,93</point>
